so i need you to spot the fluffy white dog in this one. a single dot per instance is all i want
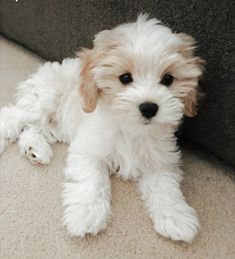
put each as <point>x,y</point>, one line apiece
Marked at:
<point>118,105</point>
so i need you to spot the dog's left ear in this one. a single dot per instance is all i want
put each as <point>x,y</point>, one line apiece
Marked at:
<point>191,103</point>
<point>88,88</point>
<point>193,96</point>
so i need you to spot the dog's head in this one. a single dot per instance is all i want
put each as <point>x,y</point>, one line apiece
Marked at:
<point>144,73</point>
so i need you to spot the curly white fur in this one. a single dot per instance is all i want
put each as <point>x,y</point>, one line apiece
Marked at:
<point>83,103</point>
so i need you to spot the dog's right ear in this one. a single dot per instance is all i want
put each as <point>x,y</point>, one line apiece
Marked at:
<point>193,96</point>
<point>88,89</point>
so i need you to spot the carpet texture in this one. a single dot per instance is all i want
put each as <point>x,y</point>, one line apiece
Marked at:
<point>30,200</point>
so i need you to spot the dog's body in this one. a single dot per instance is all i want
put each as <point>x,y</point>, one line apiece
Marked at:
<point>113,123</point>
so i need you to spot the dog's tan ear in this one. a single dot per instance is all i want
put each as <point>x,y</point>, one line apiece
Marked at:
<point>193,95</point>
<point>88,89</point>
<point>191,103</point>
<point>188,44</point>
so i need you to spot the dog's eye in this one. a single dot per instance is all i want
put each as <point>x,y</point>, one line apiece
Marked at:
<point>167,80</point>
<point>126,78</point>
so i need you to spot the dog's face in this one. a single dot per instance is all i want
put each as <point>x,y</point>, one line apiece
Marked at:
<point>144,73</point>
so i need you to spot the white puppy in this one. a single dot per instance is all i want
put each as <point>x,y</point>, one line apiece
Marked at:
<point>118,105</point>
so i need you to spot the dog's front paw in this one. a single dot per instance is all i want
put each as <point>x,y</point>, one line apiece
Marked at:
<point>179,223</point>
<point>81,219</point>
<point>34,146</point>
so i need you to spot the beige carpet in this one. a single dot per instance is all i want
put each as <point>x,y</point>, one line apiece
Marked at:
<point>30,200</point>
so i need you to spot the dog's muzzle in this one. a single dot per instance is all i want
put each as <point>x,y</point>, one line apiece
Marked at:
<point>148,110</point>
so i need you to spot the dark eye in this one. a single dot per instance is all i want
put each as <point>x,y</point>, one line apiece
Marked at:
<point>126,78</point>
<point>167,80</point>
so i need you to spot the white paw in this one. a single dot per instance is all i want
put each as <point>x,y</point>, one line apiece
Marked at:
<point>50,136</point>
<point>49,126</point>
<point>179,223</point>
<point>37,155</point>
<point>35,148</point>
<point>81,218</point>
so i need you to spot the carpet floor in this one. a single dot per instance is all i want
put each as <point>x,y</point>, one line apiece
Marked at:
<point>31,211</point>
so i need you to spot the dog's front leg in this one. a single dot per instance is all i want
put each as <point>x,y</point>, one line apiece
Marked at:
<point>172,216</point>
<point>87,193</point>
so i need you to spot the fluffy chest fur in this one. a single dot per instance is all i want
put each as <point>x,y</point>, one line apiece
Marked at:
<point>132,155</point>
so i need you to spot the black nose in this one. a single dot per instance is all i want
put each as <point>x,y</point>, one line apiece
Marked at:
<point>148,110</point>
